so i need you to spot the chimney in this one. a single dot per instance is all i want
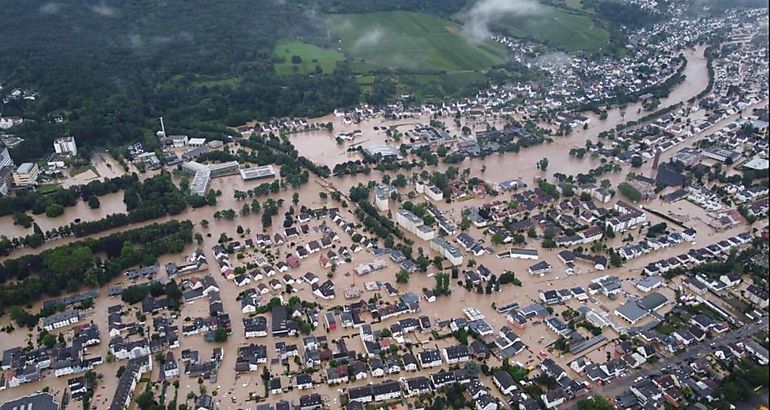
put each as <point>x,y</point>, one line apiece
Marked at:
<point>656,160</point>
<point>162,127</point>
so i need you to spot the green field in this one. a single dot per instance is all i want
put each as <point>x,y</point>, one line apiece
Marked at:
<point>571,31</point>
<point>409,41</point>
<point>311,56</point>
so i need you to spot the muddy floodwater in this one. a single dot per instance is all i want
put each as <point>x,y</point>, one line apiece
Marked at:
<point>236,391</point>
<point>321,147</point>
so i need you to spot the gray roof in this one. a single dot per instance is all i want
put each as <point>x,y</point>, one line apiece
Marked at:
<point>40,401</point>
<point>25,168</point>
<point>631,311</point>
<point>653,301</point>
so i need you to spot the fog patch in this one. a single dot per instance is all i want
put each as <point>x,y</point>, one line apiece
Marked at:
<point>485,12</point>
<point>370,38</point>
<point>398,60</point>
<point>50,8</point>
<point>554,59</point>
<point>139,42</point>
<point>104,10</point>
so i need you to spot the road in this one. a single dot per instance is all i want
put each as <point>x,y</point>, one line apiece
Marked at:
<point>619,385</point>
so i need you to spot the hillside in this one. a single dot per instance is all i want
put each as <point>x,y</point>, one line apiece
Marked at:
<point>410,41</point>
<point>111,68</point>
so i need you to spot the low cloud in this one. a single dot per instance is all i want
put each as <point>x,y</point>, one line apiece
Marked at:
<point>50,8</point>
<point>142,43</point>
<point>398,60</point>
<point>370,38</point>
<point>556,59</point>
<point>104,10</point>
<point>486,12</point>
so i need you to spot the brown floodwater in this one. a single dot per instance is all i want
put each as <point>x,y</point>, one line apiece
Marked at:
<point>321,147</point>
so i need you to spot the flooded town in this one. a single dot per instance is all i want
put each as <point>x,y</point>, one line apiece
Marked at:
<point>540,245</point>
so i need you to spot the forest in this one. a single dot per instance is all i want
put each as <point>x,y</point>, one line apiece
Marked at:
<point>110,71</point>
<point>146,200</point>
<point>68,268</point>
<point>37,202</point>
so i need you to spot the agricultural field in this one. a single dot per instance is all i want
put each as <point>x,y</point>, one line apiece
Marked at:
<point>310,55</point>
<point>560,28</point>
<point>409,41</point>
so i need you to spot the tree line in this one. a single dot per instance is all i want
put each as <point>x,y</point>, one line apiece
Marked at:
<point>146,200</point>
<point>71,267</point>
<point>37,202</point>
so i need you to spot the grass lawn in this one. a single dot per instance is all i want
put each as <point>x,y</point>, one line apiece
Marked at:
<point>410,41</point>
<point>79,170</point>
<point>427,86</point>
<point>571,31</point>
<point>48,188</point>
<point>574,4</point>
<point>311,56</point>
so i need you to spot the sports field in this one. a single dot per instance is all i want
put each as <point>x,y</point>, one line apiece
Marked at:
<point>310,55</point>
<point>571,31</point>
<point>409,41</point>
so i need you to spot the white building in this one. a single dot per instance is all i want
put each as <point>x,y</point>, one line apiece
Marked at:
<point>26,175</point>
<point>415,225</point>
<point>5,157</point>
<point>59,320</point>
<point>66,146</point>
<point>447,250</point>
<point>382,196</point>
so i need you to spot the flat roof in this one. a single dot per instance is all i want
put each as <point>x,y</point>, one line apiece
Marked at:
<point>258,172</point>
<point>25,168</point>
<point>631,311</point>
<point>521,251</point>
<point>653,301</point>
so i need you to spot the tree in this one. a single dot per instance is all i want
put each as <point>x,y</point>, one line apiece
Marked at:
<point>145,401</point>
<point>48,340</point>
<point>220,335</point>
<point>629,191</point>
<point>54,210</point>
<point>562,344</point>
<point>636,161</point>
<point>20,218</point>
<point>542,164</point>
<point>296,59</point>
<point>615,259</point>
<point>93,202</point>
<point>402,276</point>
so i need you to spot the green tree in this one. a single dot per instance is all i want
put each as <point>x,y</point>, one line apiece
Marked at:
<point>54,210</point>
<point>402,276</point>
<point>629,191</point>
<point>93,202</point>
<point>220,335</point>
